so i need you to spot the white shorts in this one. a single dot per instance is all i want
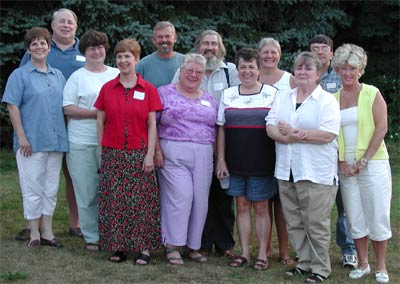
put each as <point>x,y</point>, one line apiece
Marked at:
<point>39,176</point>
<point>366,200</point>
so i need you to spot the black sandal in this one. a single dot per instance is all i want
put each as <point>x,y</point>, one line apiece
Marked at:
<point>294,272</point>
<point>315,278</point>
<point>118,257</point>
<point>143,257</point>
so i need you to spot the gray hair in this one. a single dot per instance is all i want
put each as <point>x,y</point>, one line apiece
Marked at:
<point>307,58</point>
<point>221,45</point>
<point>269,41</point>
<point>163,24</point>
<point>56,13</point>
<point>352,54</point>
<point>194,58</point>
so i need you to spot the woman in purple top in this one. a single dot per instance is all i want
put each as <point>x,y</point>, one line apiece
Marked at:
<point>186,129</point>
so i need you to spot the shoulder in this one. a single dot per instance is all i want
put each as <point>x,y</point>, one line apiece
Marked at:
<point>231,66</point>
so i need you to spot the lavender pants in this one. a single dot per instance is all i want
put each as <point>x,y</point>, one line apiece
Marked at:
<point>185,181</point>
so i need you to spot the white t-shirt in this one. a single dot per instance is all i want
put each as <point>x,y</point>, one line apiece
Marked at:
<point>314,162</point>
<point>82,89</point>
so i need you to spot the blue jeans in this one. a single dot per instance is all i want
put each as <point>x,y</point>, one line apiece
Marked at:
<point>343,239</point>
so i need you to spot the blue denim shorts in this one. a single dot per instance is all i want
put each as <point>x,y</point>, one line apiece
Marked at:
<point>255,188</point>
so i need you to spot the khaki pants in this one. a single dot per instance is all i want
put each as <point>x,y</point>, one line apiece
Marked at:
<point>307,211</point>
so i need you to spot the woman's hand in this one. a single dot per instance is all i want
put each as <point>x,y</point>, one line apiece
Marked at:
<point>148,163</point>
<point>346,169</point>
<point>222,169</point>
<point>284,127</point>
<point>357,167</point>
<point>159,159</point>
<point>24,146</point>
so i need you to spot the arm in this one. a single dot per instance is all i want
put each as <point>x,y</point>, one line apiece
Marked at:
<point>101,118</point>
<point>222,169</point>
<point>292,82</point>
<point>158,155</point>
<point>15,117</point>
<point>148,163</point>
<point>379,112</point>
<point>76,112</point>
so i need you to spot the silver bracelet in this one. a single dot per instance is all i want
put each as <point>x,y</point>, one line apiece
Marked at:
<point>364,162</point>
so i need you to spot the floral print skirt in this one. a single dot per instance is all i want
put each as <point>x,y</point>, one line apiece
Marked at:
<point>129,202</point>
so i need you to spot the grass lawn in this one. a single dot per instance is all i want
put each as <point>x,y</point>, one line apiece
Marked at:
<point>72,264</point>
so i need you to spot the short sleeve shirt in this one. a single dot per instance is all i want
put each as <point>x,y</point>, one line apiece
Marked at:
<point>81,90</point>
<point>185,119</point>
<point>127,112</point>
<point>330,81</point>
<point>248,149</point>
<point>38,96</point>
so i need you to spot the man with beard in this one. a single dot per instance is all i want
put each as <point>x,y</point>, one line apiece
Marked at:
<point>219,75</point>
<point>159,67</point>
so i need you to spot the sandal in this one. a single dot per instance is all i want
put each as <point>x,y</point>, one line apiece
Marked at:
<point>238,262</point>
<point>195,256</point>
<point>260,264</point>
<point>92,247</point>
<point>118,257</point>
<point>143,259</point>
<point>286,261</point>
<point>173,256</point>
<point>294,272</point>
<point>314,278</point>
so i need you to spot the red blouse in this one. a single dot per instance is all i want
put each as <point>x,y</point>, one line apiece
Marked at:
<point>129,111</point>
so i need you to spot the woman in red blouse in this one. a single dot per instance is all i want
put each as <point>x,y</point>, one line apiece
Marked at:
<point>129,206</point>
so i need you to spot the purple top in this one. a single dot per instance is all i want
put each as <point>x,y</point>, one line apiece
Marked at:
<point>185,119</point>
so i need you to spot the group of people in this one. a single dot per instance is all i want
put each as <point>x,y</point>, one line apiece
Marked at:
<point>147,142</point>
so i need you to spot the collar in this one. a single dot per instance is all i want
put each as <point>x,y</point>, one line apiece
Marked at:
<point>74,46</point>
<point>30,67</point>
<point>140,81</point>
<point>315,94</point>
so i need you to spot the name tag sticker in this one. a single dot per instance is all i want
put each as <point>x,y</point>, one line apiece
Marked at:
<point>80,58</point>
<point>218,86</point>
<point>138,95</point>
<point>205,103</point>
<point>331,85</point>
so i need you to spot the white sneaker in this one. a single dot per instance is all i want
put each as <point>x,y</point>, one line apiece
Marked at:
<point>359,273</point>
<point>350,260</point>
<point>381,277</point>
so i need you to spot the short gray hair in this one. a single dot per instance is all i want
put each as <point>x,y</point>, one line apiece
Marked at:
<point>163,24</point>
<point>56,13</point>
<point>352,54</point>
<point>308,58</point>
<point>194,58</point>
<point>269,41</point>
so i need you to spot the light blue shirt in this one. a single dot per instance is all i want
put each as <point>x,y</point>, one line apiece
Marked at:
<point>159,71</point>
<point>38,95</point>
<point>68,61</point>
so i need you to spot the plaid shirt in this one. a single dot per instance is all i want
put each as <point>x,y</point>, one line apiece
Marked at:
<point>330,81</point>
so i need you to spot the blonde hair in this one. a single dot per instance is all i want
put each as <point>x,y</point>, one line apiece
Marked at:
<point>351,54</point>
<point>269,41</point>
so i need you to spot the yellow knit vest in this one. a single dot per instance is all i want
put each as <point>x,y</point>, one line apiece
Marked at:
<point>366,125</point>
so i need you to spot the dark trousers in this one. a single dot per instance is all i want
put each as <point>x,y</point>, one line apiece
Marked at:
<point>218,229</point>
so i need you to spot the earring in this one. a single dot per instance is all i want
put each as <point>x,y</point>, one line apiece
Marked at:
<point>359,75</point>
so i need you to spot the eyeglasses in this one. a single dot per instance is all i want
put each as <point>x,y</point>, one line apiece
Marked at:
<point>324,48</point>
<point>95,48</point>
<point>190,72</point>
